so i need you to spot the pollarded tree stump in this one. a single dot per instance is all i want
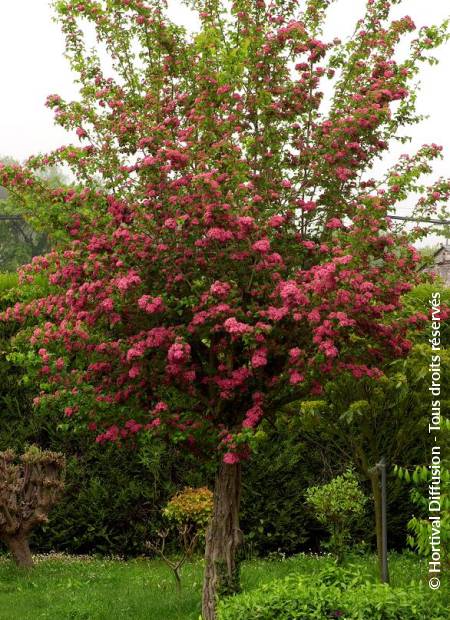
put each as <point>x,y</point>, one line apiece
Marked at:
<point>30,485</point>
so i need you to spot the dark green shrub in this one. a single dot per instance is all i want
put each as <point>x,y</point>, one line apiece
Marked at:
<point>274,516</point>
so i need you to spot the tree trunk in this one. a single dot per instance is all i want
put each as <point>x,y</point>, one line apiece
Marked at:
<point>223,540</point>
<point>20,550</point>
<point>376,492</point>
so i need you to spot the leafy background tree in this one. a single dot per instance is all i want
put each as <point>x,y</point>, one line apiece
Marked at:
<point>23,237</point>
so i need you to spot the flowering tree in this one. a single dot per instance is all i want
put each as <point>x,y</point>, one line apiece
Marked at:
<point>226,249</point>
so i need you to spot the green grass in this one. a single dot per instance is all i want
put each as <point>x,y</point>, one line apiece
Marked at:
<point>92,589</point>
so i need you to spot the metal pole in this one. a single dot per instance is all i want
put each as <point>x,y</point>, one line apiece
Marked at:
<point>384,568</point>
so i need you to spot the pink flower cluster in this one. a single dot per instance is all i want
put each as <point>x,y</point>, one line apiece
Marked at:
<point>237,328</point>
<point>291,294</point>
<point>235,379</point>
<point>263,246</point>
<point>151,305</point>
<point>255,413</point>
<point>259,358</point>
<point>124,283</point>
<point>179,353</point>
<point>220,234</point>
<point>220,289</point>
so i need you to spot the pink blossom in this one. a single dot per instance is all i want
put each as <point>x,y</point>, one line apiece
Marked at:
<point>149,161</point>
<point>170,223</point>
<point>327,346</point>
<point>235,327</point>
<point>126,282</point>
<point>230,458</point>
<point>133,426</point>
<point>295,354</point>
<point>309,245</point>
<point>314,316</point>
<point>276,220</point>
<point>134,371</point>
<point>220,289</point>
<point>179,353</point>
<point>335,222</point>
<point>159,407</point>
<point>112,434</point>
<point>245,221</point>
<point>309,206</point>
<point>343,260</point>
<point>151,305</point>
<point>154,424</point>
<point>263,246</point>
<point>295,377</point>
<point>291,294</point>
<point>255,413</point>
<point>276,314</point>
<point>219,234</point>
<point>259,358</point>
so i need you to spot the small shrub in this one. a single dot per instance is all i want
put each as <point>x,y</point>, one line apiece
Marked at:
<point>190,507</point>
<point>337,505</point>
<point>188,514</point>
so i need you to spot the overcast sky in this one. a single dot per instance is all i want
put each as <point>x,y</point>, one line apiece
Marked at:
<point>33,66</point>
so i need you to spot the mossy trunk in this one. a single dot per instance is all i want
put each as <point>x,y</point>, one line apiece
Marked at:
<point>223,540</point>
<point>20,550</point>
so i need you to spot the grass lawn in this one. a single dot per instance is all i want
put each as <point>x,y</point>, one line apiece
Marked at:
<point>63,588</point>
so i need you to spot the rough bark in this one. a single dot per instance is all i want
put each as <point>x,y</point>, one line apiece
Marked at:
<point>29,486</point>
<point>20,550</point>
<point>223,540</point>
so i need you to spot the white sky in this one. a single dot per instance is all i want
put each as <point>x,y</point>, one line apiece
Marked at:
<point>32,66</point>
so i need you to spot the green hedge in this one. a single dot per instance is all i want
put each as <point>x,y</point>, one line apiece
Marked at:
<point>297,598</point>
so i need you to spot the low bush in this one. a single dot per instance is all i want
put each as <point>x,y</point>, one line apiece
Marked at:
<point>340,595</point>
<point>337,505</point>
<point>286,599</point>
